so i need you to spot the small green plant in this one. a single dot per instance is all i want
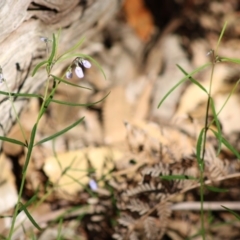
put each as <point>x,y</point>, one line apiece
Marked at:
<point>208,125</point>
<point>80,61</point>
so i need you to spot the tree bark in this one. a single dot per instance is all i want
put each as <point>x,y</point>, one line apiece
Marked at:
<point>22,23</point>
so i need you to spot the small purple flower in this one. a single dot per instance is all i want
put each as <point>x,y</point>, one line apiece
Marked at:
<point>1,78</point>
<point>80,64</point>
<point>1,75</point>
<point>210,53</point>
<point>44,39</point>
<point>69,74</point>
<point>93,185</point>
<point>85,63</point>
<point>79,72</point>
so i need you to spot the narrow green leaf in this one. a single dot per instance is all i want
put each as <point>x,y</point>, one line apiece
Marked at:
<point>92,194</point>
<point>228,97</point>
<point>210,218</point>
<point>30,148</point>
<point>177,177</point>
<point>6,93</point>
<point>6,216</point>
<point>232,60</point>
<point>59,236</point>
<point>171,90</point>
<point>60,132</point>
<point>66,169</point>
<point>216,189</point>
<point>38,66</point>
<point>69,83</point>
<point>58,38</point>
<point>29,202</point>
<point>182,81</point>
<point>220,37</point>
<point>75,47</point>
<point>232,212</point>
<point>14,141</point>
<point>199,147</point>
<point>217,225</point>
<point>78,104</point>
<point>217,124</point>
<point>196,235</point>
<point>192,79</point>
<point>33,235</point>
<point>27,95</point>
<point>226,143</point>
<point>30,217</point>
<point>80,208</point>
<point>52,55</point>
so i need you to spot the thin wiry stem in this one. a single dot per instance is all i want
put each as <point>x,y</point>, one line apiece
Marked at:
<point>206,128</point>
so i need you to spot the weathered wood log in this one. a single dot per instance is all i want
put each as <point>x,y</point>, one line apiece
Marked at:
<point>22,23</point>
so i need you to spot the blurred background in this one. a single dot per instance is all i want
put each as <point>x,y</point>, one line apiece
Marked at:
<point>138,45</point>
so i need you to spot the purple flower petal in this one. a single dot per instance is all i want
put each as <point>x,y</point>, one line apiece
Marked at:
<point>1,78</point>
<point>93,185</point>
<point>43,39</point>
<point>86,63</point>
<point>69,74</point>
<point>79,72</point>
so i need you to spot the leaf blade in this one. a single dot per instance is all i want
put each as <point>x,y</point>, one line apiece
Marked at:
<point>60,132</point>
<point>232,212</point>
<point>177,177</point>
<point>68,82</point>
<point>12,140</point>
<point>31,219</point>
<point>194,81</point>
<point>38,66</point>
<point>79,104</point>
<point>227,144</point>
<point>182,81</point>
<point>217,124</point>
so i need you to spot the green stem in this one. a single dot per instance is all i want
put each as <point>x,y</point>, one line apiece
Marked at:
<point>30,148</point>
<point>21,188</point>
<point>202,167</point>
<point>15,112</point>
<point>46,101</point>
<point>27,159</point>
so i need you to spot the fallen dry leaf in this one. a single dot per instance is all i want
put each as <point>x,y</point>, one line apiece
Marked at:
<point>8,190</point>
<point>139,17</point>
<point>70,171</point>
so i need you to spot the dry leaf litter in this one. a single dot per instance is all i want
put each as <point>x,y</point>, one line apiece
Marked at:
<point>126,144</point>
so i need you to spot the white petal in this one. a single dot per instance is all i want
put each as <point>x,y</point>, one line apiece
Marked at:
<point>79,72</point>
<point>209,52</point>
<point>86,63</point>
<point>43,39</point>
<point>69,75</point>
<point>93,185</point>
<point>1,78</point>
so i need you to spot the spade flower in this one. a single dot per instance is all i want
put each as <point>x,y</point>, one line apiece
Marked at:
<point>80,64</point>
<point>93,184</point>
<point>1,78</point>
<point>1,75</point>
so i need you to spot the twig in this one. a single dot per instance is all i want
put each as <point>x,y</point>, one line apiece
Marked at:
<point>213,206</point>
